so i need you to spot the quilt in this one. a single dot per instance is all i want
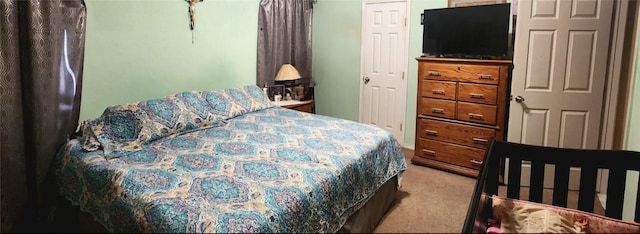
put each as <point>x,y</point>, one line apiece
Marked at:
<point>262,168</point>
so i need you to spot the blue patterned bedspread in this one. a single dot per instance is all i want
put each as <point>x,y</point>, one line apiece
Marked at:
<point>271,170</point>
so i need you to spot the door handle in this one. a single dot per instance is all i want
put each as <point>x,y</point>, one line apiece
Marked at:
<point>485,76</point>
<point>476,95</point>
<point>519,99</point>
<point>434,73</point>
<point>431,132</point>
<point>366,80</point>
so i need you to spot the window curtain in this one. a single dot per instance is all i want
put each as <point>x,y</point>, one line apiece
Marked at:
<point>284,36</point>
<point>41,60</point>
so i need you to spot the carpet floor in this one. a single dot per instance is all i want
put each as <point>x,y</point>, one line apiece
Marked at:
<point>429,200</point>
<point>435,201</point>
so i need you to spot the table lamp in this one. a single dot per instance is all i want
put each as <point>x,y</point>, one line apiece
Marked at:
<point>287,75</point>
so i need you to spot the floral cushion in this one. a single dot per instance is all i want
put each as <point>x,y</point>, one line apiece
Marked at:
<point>128,127</point>
<point>518,216</point>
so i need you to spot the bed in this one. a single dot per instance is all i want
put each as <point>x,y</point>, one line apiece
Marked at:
<point>228,161</point>
<point>491,211</point>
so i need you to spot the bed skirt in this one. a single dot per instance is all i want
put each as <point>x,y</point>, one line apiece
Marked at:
<point>367,218</point>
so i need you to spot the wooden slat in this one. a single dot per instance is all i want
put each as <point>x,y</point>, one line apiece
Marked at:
<point>492,175</point>
<point>515,170</point>
<point>537,181</point>
<point>586,197</point>
<point>615,193</point>
<point>561,184</point>
<point>637,218</point>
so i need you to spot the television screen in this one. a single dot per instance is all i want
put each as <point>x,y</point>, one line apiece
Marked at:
<point>467,32</point>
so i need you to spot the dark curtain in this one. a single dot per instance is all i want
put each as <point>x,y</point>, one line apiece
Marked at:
<point>284,36</point>
<point>42,53</point>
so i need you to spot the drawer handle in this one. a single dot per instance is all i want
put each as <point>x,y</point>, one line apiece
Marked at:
<point>485,76</point>
<point>437,91</point>
<point>480,140</point>
<point>473,161</point>
<point>429,152</point>
<point>477,95</point>
<point>431,132</point>
<point>475,116</point>
<point>437,110</point>
<point>434,73</point>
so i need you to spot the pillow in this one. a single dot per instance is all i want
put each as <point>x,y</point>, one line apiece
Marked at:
<point>529,217</point>
<point>128,127</point>
<point>233,102</point>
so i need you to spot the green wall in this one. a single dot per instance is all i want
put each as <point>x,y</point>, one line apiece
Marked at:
<point>633,137</point>
<point>137,50</point>
<point>336,58</point>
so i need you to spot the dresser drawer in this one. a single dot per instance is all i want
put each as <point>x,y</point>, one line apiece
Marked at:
<point>438,89</point>
<point>462,72</point>
<point>477,137</point>
<point>438,107</point>
<point>437,71</point>
<point>478,113</point>
<point>478,93</point>
<point>451,153</point>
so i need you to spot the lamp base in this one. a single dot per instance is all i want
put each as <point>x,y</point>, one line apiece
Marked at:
<point>286,83</point>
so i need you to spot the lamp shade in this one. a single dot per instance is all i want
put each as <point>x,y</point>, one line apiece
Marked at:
<point>287,72</point>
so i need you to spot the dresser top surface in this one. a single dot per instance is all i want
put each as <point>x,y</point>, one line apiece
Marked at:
<point>459,60</point>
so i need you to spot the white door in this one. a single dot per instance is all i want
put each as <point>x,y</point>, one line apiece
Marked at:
<point>384,60</point>
<point>560,66</point>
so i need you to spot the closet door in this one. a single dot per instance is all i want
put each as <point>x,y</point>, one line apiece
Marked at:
<point>560,71</point>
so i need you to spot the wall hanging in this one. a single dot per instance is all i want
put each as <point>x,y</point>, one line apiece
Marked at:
<point>192,17</point>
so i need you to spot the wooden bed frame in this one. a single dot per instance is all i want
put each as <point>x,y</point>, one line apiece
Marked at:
<point>589,161</point>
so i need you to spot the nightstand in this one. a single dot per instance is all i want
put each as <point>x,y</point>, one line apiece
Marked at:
<point>304,106</point>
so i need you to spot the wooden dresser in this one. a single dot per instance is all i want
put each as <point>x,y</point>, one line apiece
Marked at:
<point>462,104</point>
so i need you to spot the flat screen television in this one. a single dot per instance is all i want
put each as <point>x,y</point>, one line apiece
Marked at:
<point>467,32</point>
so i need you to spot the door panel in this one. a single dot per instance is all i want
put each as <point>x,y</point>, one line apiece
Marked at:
<point>574,123</point>
<point>577,78</point>
<point>540,61</point>
<point>534,126</point>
